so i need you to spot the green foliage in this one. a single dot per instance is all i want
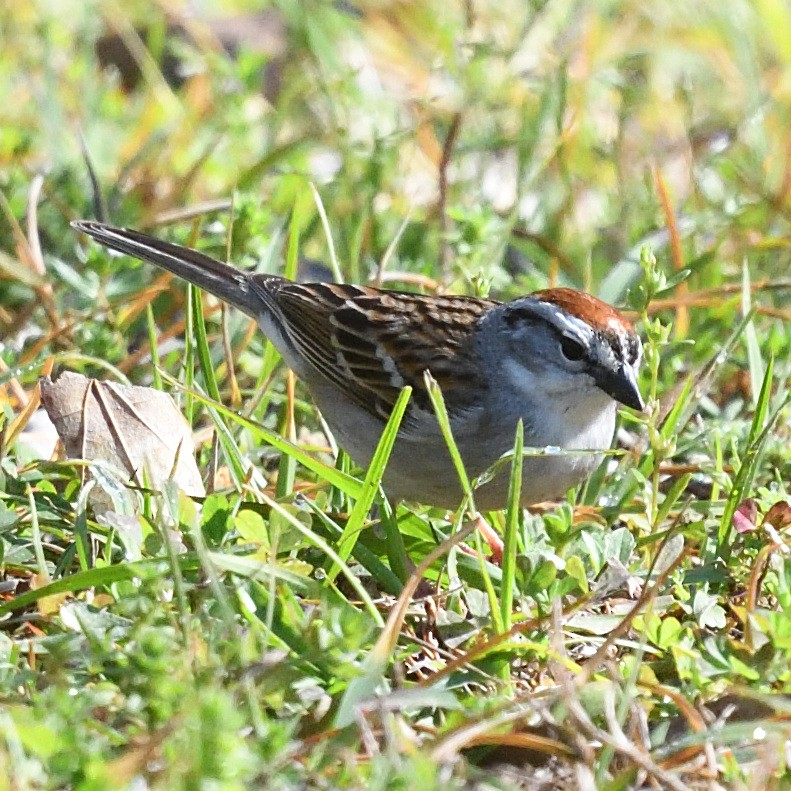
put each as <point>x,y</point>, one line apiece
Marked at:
<point>631,149</point>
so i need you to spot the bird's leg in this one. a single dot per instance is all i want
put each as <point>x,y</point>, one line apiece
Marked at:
<point>492,539</point>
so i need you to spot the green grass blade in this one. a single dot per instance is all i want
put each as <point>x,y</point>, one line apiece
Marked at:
<point>202,344</point>
<point>96,577</point>
<point>756,439</point>
<point>671,498</point>
<point>373,479</point>
<point>512,515</point>
<point>287,468</point>
<point>237,464</point>
<point>346,483</point>
<point>254,569</point>
<point>385,578</point>
<point>396,551</point>
<point>441,412</point>
<point>154,346</point>
<point>334,556</point>
<point>755,361</point>
<point>334,265</point>
<point>292,254</point>
<point>233,455</point>
<point>189,357</point>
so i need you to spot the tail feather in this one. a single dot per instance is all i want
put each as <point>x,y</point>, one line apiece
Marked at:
<point>224,281</point>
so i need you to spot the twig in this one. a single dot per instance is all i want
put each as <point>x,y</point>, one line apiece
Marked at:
<point>442,203</point>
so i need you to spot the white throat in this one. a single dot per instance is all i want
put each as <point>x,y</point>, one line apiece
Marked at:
<point>579,416</point>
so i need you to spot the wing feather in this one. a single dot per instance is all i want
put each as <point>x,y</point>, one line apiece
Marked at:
<point>371,343</point>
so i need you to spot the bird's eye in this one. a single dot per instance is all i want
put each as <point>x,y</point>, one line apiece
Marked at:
<point>572,350</point>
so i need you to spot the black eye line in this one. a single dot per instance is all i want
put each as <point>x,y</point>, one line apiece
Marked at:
<point>517,316</point>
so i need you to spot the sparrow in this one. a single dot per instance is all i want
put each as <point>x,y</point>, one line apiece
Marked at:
<point>559,360</point>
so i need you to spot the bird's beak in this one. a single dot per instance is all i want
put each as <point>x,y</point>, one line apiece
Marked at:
<point>622,386</point>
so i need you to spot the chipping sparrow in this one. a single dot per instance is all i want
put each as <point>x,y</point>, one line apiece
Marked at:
<point>559,359</point>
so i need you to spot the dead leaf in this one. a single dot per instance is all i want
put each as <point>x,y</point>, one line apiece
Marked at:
<point>136,430</point>
<point>779,515</point>
<point>47,605</point>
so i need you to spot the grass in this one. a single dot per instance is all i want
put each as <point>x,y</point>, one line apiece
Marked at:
<point>272,636</point>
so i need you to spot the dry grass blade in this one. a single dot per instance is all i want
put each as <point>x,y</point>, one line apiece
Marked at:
<point>484,647</point>
<point>388,638</point>
<point>593,664</point>
<point>484,731</point>
<point>29,407</point>
<point>682,314</point>
<point>14,386</point>
<point>29,251</point>
<point>391,248</point>
<point>186,213</point>
<point>33,241</point>
<point>618,741</point>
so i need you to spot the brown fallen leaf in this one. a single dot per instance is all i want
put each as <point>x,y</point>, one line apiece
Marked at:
<point>779,515</point>
<point>136,430</point>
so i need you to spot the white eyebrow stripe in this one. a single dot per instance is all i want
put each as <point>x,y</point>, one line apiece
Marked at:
<point>562,321</point>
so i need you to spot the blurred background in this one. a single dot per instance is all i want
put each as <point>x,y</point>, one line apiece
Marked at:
<point>524,143</point>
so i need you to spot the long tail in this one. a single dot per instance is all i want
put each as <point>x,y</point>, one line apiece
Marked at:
<point>224,281</point>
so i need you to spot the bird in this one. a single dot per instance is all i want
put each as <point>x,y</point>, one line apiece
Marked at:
<point>559,360</point>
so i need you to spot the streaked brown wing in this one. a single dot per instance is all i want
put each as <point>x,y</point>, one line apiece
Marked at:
<point>372,343</point>
<point>304,314</point>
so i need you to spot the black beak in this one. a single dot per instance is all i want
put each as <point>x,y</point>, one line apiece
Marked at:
<point>622,386</point>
